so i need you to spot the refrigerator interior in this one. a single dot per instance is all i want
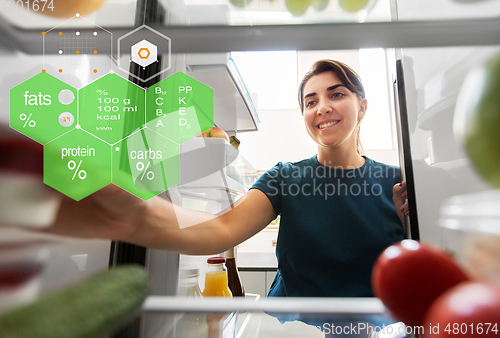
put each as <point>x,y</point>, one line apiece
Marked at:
<point>432,80</point>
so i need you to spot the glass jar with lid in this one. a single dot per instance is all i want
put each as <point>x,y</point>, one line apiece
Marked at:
<point>216,280</point>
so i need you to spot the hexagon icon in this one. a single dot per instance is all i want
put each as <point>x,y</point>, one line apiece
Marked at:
<point>144,53</point>
<point>148,48</point>
<point>111,108</point>
<point>77,164</point>
<point>69,50</point>
<point>146,164</point>
<point>43,108</point>
<point>180,107</point>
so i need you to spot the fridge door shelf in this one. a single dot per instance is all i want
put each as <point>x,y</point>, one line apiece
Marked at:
<point>441,88</point>
<point>204,173</point>
<point>205,154</point>
<point>233,106</point>
<point>226,189</point>
<point>204,182</point>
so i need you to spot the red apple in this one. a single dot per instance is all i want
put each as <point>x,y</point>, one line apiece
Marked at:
<point>214,132</point>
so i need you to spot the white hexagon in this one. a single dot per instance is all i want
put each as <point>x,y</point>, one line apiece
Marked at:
<point>161,41</point>
<point>144,53</point>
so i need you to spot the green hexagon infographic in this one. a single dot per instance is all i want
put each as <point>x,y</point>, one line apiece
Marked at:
<point>145,164</point>
<point>43,108</point>
<point>103,132</point>
<point>180,107</point>
<point>77,164</point>
<point>111,108</point>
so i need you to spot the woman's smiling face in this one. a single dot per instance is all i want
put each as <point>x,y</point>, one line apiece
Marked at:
<point>331,111</point>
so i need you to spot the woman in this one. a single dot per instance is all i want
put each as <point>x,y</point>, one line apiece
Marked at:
<point>337,212</point>
<point>338,209</point>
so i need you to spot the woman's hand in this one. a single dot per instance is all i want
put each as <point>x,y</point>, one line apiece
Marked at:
<point>110,213</point>
<point>399,195</point>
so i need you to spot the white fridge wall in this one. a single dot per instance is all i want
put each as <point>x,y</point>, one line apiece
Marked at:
<point>433,78</point>
<point>447,9</point>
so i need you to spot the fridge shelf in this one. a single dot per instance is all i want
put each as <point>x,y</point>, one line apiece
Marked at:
<point>225,39</point>
<point>347,307</point>
<point>247,13</point>
<point>476,212</point>
<point>472,224</point>
<point>284,317</point>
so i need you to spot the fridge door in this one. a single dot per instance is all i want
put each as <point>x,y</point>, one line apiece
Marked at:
<point>438,166</point>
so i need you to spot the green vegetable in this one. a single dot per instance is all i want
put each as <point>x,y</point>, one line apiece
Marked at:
<point>297,7</point>
<point>240,3</point>
<point>353,5</point>
<point>91,308</point>
<point>320,5</point>
<point>477,119</point>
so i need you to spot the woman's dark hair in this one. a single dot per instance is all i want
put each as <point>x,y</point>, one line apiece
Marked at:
<point>346,75</point>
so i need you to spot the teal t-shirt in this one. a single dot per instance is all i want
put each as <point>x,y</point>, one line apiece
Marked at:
<point>334,224</point>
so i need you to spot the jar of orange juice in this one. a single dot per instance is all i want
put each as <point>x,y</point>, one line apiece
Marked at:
<point>216,281</point>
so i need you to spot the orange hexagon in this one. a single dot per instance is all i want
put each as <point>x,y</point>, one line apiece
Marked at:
<point>140,53</point>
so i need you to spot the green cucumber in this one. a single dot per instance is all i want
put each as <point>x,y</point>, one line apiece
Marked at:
<point>92,308</point>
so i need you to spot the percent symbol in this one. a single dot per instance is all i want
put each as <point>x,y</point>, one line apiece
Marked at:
<point>28,120</point>
<point>102,92</point>
<point>149,174</point>
<point>82,174</point>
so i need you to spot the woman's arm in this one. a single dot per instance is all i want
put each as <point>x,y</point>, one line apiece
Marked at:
<point>113,213</point>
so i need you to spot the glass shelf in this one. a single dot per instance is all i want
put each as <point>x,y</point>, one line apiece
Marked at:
<point>268,25</point>
<point>266,317</point>
<point>116,13</point>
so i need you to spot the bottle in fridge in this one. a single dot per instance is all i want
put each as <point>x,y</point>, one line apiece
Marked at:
<point>216,280</point>
<point>190,324</point>
<point>233,276</point>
